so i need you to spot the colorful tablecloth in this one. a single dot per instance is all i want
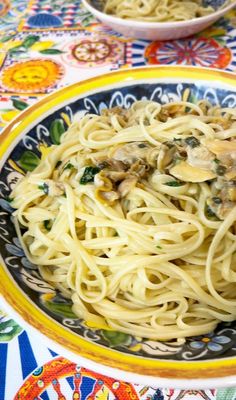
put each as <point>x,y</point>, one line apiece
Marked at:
<point>64,44</point>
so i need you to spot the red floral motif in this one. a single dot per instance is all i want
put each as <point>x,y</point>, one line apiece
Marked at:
<point>93,52</point>
<point>204,52</point>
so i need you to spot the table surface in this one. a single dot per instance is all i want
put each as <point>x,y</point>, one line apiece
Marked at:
<point>63,34</point>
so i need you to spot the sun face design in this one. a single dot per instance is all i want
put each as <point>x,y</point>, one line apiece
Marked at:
<point>35,76</point>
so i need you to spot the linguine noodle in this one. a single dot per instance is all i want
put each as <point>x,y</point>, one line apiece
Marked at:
<point>157,10</point>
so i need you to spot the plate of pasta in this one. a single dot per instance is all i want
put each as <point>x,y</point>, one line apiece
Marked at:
<point>158,19</point>
<point>118,224</point>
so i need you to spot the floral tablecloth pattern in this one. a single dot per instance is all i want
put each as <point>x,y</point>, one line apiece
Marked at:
<point>46,45</point>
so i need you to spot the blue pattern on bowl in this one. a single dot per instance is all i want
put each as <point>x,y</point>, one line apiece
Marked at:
<point>215,3</point>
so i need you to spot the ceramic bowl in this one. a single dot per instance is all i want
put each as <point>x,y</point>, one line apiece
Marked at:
<point>202,362</point>
<point>159,30</point>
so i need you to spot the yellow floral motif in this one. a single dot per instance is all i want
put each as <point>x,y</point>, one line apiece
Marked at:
<point>47,296</point>
<point>232,16</point>
<point>44,150</point>
<point>9,45</point>
<point>213,32</point>
<point>2,58</point>
<point>16,167</point>
<point>102,394</point>
<point>4,47</point>
<point>39,46</point>
<point>66,119</point>
<point>136,347</point>
<point>93,325</point>
<point>7,116</point>
<point>231,13</point>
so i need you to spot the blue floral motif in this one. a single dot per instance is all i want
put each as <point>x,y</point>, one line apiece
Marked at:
<point>214,3</point>
<point>6,206</point>
<point>211,342</point>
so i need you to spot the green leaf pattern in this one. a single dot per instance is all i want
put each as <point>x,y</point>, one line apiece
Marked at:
<point>28,160</point>
<point>115,338</point>
<point>25,46</point>
<point>56,129</point>
<point>8,330</point>
<point>51,51</point>
<point>19,104</point>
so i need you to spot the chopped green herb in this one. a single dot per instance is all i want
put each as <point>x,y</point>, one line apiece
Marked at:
<point>210,213</point>
<point>217,200</point>
<point>158,247</point>
<point>44,188</point>
<point>69,166</point>
<point>142,145</point>
<point>58,164</point>
<point>88,175</point>
<point>9,199</point>
<point>179,158</point>
<point>169,145</point>
<point>192,141</point>
<point>220,170</point>
<point>216,160</point>
<point>174,183</point>
<point>47,224</point>
<point>177,140</point>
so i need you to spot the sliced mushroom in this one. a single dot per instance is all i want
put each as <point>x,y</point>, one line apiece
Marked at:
<point>127,185</point>
<point>131,152</point>
<point>165,157</point>
<point>225,208</point>
<point>187,173</point>
<point>219,147</point>
<point>163,115</point>
<point>232,193</point>
<point>107,197</point>
<point>231,174</point>
<point>152,156</point>
<point>115,111</point>
<point>139,168</point>
<point>200,157</point>
<point>116,176</point>
<point>102,181</point>
<point>55,188</point>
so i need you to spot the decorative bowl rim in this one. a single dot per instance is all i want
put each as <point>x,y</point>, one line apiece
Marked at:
<point>166,373</point>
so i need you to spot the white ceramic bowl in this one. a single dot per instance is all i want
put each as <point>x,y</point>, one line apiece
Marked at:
<point>157,30</point>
